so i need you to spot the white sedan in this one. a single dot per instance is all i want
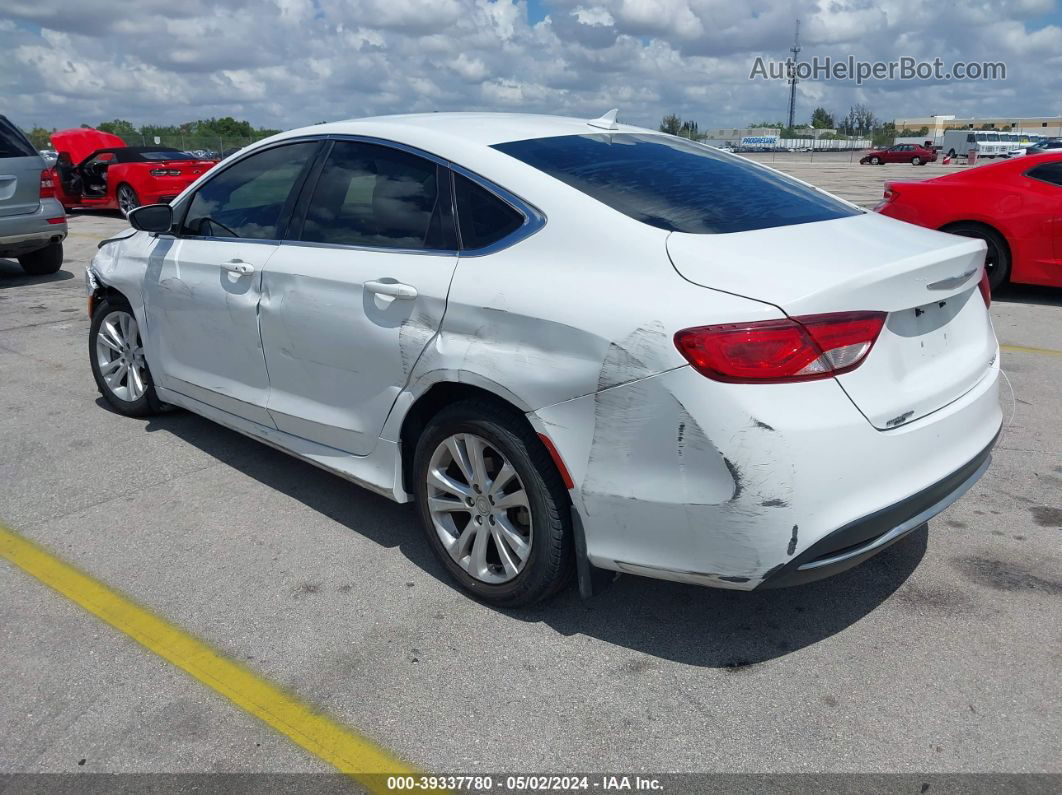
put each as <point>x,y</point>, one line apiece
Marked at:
<point>574,345</point>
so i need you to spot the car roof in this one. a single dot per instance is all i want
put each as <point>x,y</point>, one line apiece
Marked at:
<point>483,128</point>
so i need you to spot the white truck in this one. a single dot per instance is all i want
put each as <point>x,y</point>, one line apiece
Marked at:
<point>986,144</point>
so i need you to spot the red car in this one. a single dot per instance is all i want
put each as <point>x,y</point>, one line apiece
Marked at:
<point>97,169</point>
<point>915,154</point>
<point>1015,206</point>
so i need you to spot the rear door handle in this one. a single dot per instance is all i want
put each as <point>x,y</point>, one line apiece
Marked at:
<point>393,289</point>
<point>238,266</point>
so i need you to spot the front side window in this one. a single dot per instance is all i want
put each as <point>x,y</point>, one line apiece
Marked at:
<point>483,217</point>
<point>379,197</point>
<point>247,199</point>
<point>677,185</point>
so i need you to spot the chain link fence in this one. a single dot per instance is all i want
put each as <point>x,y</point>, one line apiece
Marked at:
<point>207,146</point>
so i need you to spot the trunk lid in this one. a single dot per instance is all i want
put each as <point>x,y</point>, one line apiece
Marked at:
<point>937,342</point>
<point>20,172</point>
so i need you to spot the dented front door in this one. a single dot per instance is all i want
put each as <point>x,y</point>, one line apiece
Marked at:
<point>341,329</point>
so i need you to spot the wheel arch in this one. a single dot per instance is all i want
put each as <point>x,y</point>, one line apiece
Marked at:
<point>438,396</point>
<point>984,225</point>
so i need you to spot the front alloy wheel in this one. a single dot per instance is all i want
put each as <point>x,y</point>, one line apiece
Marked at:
<point>120,356</point>
<point>116,353</point>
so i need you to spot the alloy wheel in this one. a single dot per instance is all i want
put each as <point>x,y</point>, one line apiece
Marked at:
<point>127,201</point>
<point>120,356</point>
<point>479,508</point>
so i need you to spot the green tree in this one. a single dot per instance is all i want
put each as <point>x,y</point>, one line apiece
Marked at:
<point>40,138</point>
<point>671,124</point>
<point>822,119</point>
<point>689,129</point>
<point>120,127</point>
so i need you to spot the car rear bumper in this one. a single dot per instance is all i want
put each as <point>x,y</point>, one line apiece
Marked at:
<point>22,234</point>
<point>730,485</point>
<point>864,538</point>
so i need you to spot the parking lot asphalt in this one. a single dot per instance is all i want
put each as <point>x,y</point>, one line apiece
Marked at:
<point>942,654</point>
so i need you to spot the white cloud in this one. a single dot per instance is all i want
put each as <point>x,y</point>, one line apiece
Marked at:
<point>291,62</point>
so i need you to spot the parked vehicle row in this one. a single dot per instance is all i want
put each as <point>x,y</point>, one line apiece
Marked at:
<point>415,303</point>
<point>96,169</point>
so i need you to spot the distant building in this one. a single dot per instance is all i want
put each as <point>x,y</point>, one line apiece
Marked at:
<point>1040,125</point>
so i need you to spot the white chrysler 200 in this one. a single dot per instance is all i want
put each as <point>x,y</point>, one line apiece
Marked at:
<point>574,345</point>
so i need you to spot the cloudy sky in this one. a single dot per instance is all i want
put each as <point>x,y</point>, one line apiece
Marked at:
<point>285,63</point>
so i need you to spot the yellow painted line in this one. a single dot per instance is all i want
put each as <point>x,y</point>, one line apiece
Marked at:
<point>1026,349</point>
<point>345,750</point>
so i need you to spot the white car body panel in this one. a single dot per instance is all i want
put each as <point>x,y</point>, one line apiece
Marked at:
<point>675,475</point>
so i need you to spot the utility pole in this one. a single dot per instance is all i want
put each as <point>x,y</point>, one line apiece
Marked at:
<point>795,49</point>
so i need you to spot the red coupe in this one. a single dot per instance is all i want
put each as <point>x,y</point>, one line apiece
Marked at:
<point>1015,206</point>
<point>97,169</point>
<point>915,154</point>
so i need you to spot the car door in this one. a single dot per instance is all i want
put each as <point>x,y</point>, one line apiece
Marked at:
<point>1045,184</point>
<point>356,293</point>
<point>203,285</point>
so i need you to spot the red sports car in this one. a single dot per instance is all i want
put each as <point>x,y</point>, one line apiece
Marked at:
<point>1015,206</point>
<point>915,154</point>
<point>97,169</point>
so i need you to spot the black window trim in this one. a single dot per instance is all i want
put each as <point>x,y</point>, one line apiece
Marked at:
<point>1029,173</point>
<point>181,210</point>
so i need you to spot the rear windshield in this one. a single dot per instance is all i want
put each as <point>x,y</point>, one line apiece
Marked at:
<point>12,142</point>
<point>676,185</point>
<point>171,154</point>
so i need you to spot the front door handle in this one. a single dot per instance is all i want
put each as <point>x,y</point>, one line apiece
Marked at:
<point>393,289</point>
<point>238,266</point>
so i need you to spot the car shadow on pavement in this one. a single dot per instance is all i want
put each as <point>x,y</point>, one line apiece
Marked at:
<point>12,275</point>
<point>682,623</point>
<point>1029,294</point>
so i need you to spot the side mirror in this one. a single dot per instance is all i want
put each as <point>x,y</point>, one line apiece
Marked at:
<point>152,218</point>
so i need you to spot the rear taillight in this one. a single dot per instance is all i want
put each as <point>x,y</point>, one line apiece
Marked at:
<point>985,288</point>
<point>47,184</point>
<point>772,351</point>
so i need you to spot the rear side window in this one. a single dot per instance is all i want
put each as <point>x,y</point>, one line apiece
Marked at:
<point>376,196</point>
<point>483,217</point>
<point>677,185</point>
<point>12,142</point>
<point>1047,172</point>
<point>247,199</point>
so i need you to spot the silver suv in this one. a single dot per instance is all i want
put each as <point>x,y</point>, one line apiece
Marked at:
<point>32,221</point>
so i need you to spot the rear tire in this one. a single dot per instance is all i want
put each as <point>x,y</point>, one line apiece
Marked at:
<point>916,161</point>
<point>127,199</point>
<point>116,355</point>
<point>43,261</point>
<point>997,258</point>
<point>499,437</point>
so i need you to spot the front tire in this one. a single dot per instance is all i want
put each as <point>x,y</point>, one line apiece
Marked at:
<point>43,261</point>
<point>127,199</point>
<point>997,258</point>
<point>876,161</point>
<point>493,505</point>
<point>116,355</point>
